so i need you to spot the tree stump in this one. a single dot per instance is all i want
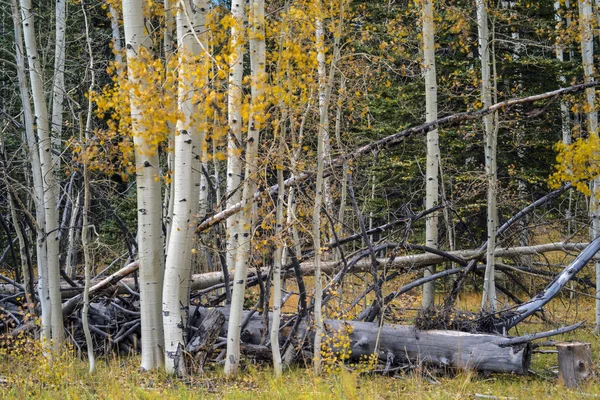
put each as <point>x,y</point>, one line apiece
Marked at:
<point>574,362</point>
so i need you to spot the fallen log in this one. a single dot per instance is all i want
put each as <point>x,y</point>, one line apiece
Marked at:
<point>408,345</point>
<point>210,279</point>
<point>104,284</point>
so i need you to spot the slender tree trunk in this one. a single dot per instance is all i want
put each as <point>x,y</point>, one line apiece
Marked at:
<point>150,238</point>
<point>58,87</point>
<point>319,187</point>
<point>234,137</point>
<point>49,183</point>
<point>587,58</point>
<point>29,297</point>
<point>565,113</point>
<point>279,258</point>
<point>169,198</point>
<point>244,229</point>
<point>433,149</point>
<point>489,286</point>
<point>84,138</point>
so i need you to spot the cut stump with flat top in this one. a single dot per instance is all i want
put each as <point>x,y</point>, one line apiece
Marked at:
<point>574,362</point>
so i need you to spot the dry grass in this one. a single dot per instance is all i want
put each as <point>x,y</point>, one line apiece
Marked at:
<point>26,374</point>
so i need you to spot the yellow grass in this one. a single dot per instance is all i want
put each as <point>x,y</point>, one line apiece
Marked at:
<point>26,374</point>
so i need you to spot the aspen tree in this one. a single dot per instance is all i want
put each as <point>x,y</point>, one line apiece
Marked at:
<point>587,59</point>
<point>322,136</point>
<point>150,238</point>
<point>38,189</point>
<point>49,182</point>
<point>84,138</point>
<point>433,149</point>
<point>234,136</point>
<point>565,113</point>
<point>58,87</point>
<point>244,228</point>
<point>489,285</point>
<point>168,43</point>
<point>186,181</point>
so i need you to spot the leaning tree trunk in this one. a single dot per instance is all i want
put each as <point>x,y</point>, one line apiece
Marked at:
<point>489,285</point>
<point>49,183</point>
<point>244,228</point>
<point>433,149</point>
<point>148,198</point>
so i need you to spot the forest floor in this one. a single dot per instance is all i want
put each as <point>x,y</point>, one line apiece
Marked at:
<point>26,374</point>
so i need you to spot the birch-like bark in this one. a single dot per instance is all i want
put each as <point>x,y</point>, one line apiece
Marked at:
<point>587,58</point>
<point>244,228</point>
<point>279,259</point>
<point>58,86</point>
<point>565,113</point>
<point>150,238</point>
<point>433,149</point>
<point>87,197</point>
<point>322,135</point>
<point>186,181</point>
<point>168,43</point>
<point>234,136</point>
<point>116,35</point>
<point>48,182</point>
<point>38,191</point>
<point>489,285</point>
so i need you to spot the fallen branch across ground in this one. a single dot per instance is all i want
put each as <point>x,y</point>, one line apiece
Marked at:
<point>207,280</point>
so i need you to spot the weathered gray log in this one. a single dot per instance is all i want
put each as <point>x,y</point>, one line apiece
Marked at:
<point>205,336</point>
<point>511,318</point>
<point>209,279</point>
<point>409,345</point>
<point>104,284</point>
<point>574,362</point>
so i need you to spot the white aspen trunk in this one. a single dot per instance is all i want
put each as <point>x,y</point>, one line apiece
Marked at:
<point>244,229</point>
<point>338,135</point>
<point>186,181</point>
<point>49,183</point>
<point>319,188</point>
<point>38,191</point>
<point>489,285</point>
<point>587,58</point>
<point>150,240</point>
<point>279,258</point>
<point>564,110</point>
<point>58,86</point>
<point>168,200</point>
<point>86,206</point>
<point>87,266</point>
<point>234,137</point>
<point>433,149</point>
<point>116,36</point>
